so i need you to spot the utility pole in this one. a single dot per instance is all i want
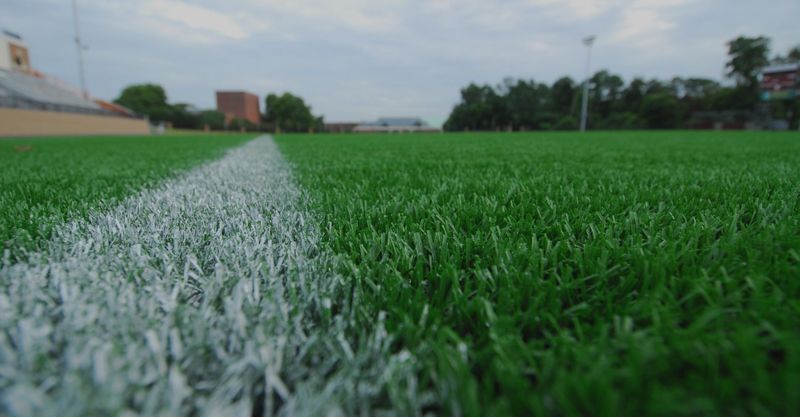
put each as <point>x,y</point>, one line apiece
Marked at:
<point>589,41</point>
<point>80,47</point>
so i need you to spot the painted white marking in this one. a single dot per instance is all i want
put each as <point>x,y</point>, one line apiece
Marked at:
<point>208,295</point>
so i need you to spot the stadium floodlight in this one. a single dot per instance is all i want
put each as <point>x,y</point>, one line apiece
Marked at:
<point>588,41</point>
<point>80,46</point>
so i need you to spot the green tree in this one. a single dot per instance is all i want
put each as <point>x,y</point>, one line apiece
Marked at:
<point>565,123</point>
<point>525,105</point>
<point>183,117</point>
<point>290,113</point>
<point>614,105</point>
<point>606,98</point>
<point>699,87</point>
<point>625,121</point>
<point>147,100</point>
<point>564,96</point>
<point>660,111</point>
<point>606,86</point>
<point>477,110</point>
<point>633,95</point>
<point>658,87</point>
<point>215,120</point>
<point>237,124</point>
<point>792,56</point>
<point>695,94</point>
<point>746,58</point>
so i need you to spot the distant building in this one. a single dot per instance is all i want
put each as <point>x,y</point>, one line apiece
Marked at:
<point>239,105</point>
<point>780,82</point>
<point>340,127</point>
<point>396,125</point>
<point>13,52</point>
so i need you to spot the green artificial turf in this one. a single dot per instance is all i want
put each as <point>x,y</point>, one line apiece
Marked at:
<point>46,181</point>
<point>608,274</point>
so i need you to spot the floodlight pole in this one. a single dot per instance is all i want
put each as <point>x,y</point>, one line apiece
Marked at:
<point>589,41</point>
<point>79,46</point>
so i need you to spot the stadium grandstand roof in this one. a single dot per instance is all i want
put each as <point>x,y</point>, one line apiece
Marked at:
<point>792,66</point>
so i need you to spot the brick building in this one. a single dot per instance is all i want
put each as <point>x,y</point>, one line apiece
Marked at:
<point>240,105</point>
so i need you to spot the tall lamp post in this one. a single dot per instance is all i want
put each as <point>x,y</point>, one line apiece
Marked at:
<point>588,41</point>
<point>80,47</point>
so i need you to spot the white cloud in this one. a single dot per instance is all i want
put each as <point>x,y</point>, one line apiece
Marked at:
<point>497,19</point>
<point>568,10</point>
<point>646,23</point>
<point>179,21</point>
<point>194,18</point>
<point>356,15</point>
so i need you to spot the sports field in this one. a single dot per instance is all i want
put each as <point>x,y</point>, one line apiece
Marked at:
<point>45,181</point>
<point>625,273</point>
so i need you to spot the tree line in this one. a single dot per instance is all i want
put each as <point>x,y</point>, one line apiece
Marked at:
<point>517,104</point>
<point>285,112</point>
<point>639,104</point>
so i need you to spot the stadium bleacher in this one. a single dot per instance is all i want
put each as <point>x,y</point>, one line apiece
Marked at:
<point>4,92</point>
<point>36,104</point>
<point>30,89</point>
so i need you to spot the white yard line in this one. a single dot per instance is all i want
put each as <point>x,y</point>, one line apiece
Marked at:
<point>208,295</point>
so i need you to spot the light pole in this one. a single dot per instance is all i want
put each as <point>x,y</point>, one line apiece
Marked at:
<point>589,41</point>
<point>80,47</point>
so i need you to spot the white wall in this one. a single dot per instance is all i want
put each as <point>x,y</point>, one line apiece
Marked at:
<point>5,54</point>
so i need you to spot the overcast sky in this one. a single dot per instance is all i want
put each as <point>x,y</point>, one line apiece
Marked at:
<point>361,59</point>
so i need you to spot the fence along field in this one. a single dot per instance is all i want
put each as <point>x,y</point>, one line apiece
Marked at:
<point>639,273</point>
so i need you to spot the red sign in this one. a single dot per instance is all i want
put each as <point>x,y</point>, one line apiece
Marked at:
<point>779,81</point>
